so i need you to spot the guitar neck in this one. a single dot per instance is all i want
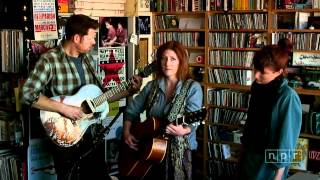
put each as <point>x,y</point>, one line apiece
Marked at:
<point>123,86</point>
<point>110,93</point>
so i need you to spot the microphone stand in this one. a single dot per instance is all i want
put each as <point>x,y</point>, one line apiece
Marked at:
<point>97,140</point>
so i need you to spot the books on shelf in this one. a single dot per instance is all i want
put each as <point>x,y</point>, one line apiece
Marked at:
<point>172,21</point>
<point>11,51</point>
<point>301,20</point>
<point>231,76</point>
<point>191,23</point>
<point>10,165</point>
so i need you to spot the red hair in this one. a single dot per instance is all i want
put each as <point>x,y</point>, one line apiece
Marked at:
<point>183,70</point>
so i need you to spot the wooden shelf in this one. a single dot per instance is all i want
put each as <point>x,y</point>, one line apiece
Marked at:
<point>179,30</point>
<point>239,30</point>
<point>238,12</point>
<point>294,10</point>
<point>196,65</point>
<point>191,48</point>
<point>230,86</point>
<point>185,13</point>
<point>302,91</point>
<point>235,49</point>
<point>228,107</point>
<point>309,51</point>
<point>235,126</point>
<point>225,142</point>
<point>297,30</point>
<point>230,67</point>
<point>231,159</point>
<point>314,92</point>
<point>305,135</point>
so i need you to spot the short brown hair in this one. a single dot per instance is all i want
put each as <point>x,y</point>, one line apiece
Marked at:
<point>183,70</point>
<point>79,24</point>
<point>272,56</point>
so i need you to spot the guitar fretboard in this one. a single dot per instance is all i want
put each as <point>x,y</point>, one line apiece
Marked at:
<point>124,85</point>
<point>107,95</point>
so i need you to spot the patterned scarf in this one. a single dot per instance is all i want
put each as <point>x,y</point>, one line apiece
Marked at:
<point>180,156</point>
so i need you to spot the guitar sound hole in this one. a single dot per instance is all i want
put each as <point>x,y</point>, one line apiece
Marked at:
<point>85,107</point>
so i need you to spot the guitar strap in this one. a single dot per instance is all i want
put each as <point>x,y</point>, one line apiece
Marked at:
<point>178,103</point>
<point>179,144</point>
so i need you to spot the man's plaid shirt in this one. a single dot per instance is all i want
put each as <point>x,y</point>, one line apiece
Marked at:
<point>55,74</point>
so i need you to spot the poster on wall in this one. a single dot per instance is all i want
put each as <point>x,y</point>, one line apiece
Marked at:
<point>63,6</point>
<point>112,47</point>
<point>113,31</point>
<point>44,19</point>
<point>112,66</point>
<point>112,70</point>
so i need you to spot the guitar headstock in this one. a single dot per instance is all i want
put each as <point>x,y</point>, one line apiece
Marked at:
<point>194,118</point>
<point>150,68</point>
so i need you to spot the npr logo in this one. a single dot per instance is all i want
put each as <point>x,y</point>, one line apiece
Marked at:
<point>283,155</point>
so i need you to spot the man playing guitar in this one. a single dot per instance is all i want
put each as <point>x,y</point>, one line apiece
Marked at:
<point>62,71</point>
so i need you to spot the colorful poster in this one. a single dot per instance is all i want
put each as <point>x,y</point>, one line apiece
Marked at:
<point>112,66</point>
<point>63,6</point>
<point>44,19</point>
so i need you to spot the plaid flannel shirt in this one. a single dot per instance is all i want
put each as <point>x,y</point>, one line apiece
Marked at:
<point>55,74</point>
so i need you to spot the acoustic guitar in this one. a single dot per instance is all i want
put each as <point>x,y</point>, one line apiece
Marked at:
<point>65,132</point>
<point>152,144</point>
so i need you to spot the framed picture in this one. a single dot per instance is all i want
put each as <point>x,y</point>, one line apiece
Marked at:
<point>113,31</point>
<point>144,5</point>
<point>143,23</point>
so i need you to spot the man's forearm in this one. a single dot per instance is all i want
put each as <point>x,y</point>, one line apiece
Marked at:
<point>45,103</point>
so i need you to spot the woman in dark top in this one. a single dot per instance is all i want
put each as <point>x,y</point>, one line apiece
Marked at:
<point>274,118</point>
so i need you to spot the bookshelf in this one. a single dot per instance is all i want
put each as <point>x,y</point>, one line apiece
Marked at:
<point>13,139</point>
<point>305,41</point>
<point>232,33</point>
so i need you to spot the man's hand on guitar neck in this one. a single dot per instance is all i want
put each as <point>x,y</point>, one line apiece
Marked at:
<point>136,84</point>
